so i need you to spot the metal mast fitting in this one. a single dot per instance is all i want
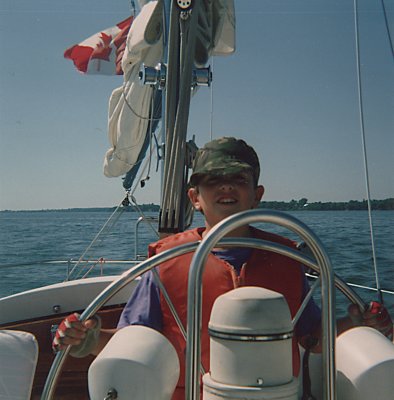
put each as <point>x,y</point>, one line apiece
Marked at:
<point>185,5</point>
<point>156,76</point>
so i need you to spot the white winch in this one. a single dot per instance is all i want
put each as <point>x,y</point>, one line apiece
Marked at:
<point>251,347</point>
<point>365,365</point>
<point>139,363</point>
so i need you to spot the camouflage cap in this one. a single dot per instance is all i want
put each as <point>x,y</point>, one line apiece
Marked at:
<point>224,156</point>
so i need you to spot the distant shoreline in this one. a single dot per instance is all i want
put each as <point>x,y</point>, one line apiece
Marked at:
<point>293,205</point>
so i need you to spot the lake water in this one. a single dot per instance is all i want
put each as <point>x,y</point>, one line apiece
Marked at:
<point>30,237</point>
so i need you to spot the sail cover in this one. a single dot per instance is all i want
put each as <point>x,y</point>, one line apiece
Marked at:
<point>129,105</point>
<point>133,108</point>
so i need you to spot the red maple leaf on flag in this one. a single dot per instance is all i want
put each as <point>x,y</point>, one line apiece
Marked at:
<point>103,49</point>
<point>120,45</point>
<point>80,55</point>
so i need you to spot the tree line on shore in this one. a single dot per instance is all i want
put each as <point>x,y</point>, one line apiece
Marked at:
<point>303,204</point>
<point>293,205</point>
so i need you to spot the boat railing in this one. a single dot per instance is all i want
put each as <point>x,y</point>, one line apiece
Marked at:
<point>70,263</point>
<point>356,285</point>
<point>148,221</point>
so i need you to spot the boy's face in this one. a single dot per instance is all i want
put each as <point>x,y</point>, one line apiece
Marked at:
<point>221,196</point>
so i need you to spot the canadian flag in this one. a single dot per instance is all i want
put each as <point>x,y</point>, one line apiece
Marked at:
<point>102,52</point>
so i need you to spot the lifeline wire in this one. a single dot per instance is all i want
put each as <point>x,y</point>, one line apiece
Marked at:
<point>387,27</point>
<point>360,101</point>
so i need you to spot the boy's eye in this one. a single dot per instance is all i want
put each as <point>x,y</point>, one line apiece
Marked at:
<point>238,180</point>
<point>241,180</point>
<point>212,181</point>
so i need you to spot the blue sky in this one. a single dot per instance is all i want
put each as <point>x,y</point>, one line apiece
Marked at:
<point>289,90</point>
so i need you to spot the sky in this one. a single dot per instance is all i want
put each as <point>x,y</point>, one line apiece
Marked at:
<point>290,90</point>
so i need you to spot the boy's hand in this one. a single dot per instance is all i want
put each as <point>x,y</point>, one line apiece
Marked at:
<point>83,336</point>
<point>376,316</point>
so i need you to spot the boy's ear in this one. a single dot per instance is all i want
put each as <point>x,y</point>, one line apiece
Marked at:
<point>193,196</point>
<point>259,192</point>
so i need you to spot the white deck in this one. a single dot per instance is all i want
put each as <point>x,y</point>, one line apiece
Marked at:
<point>59,298</point>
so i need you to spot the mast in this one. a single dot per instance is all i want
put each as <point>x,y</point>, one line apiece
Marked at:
<point>182,29</point>
<point>175,76</point>
<point>192,31</point>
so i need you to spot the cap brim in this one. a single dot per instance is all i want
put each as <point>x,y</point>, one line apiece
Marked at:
<point>220,171</point>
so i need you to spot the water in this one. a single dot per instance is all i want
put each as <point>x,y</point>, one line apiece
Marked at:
<point>62,235</point>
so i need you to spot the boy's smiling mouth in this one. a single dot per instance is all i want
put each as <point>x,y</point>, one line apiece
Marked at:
<point>227,200</point>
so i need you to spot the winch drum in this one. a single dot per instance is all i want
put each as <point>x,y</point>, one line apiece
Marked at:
<point>250,347</point>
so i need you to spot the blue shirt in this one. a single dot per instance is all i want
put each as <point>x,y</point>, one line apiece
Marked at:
<point>143,307</point>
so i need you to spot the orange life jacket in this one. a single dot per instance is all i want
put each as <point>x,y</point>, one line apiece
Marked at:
<point>264,269</point>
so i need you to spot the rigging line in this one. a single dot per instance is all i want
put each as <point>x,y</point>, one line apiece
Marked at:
<point>97,236</point>
<point>362,126</point>
<point>134,201</point>
<point>107,228</point>
<point>147,163</point>
<point>149,117</point>
<point>91,269</point>
<point>143,171</point>
<point>387,27</point>
<point>150,138</point>
<point>132,7</point>
<point>211,119</point>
